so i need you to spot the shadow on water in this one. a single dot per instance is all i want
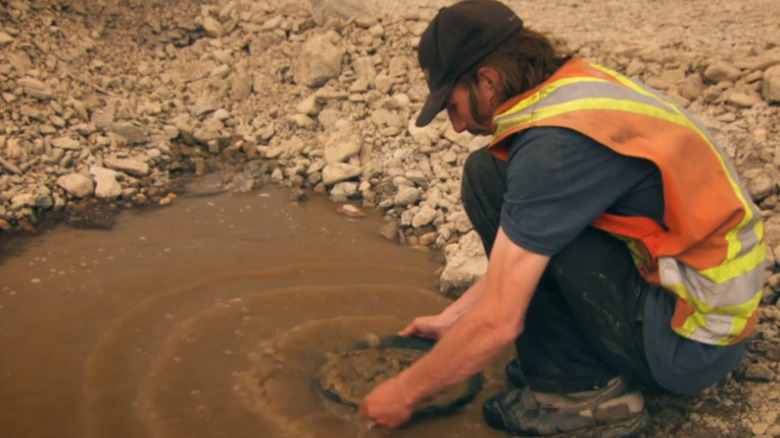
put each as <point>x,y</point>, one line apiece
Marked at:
<point>207,318</point>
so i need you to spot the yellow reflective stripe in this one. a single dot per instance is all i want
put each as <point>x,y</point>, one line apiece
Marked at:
<point>740,313</point>
<point>735,267</point>
<point>758,228</point>
<point>632,247</point>
<point>590,103</point>
<point>693,322</point>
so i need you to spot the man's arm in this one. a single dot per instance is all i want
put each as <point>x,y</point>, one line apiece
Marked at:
<point>470,345</point>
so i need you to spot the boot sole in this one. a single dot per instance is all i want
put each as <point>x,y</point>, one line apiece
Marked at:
<point>622,429</point>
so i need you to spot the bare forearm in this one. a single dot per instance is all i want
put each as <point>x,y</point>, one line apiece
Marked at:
<point>466,301</point>
<point>462,352</point>
<point>491,322</point>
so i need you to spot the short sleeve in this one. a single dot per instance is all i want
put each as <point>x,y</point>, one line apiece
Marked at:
<point>559,181</point>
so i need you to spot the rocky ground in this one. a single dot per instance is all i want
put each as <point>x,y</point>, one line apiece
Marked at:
<point>106,105</point>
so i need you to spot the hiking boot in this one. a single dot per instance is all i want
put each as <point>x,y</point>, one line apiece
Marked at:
<point>514,373</point>
<point>612,411</point>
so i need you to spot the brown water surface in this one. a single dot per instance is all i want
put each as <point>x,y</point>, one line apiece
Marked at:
<point>209,318</point>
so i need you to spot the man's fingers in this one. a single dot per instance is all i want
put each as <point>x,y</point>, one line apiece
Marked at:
<point>363,412</point>
<point>411,329</point>
<point>408,331</point>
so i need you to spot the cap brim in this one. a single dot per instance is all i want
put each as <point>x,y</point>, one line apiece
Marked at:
<point>434,104</point>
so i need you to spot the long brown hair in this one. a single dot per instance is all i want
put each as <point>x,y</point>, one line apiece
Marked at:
<point>523,61</point>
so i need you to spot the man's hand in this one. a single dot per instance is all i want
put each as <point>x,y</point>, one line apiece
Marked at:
<point>388,404</point>
<point>432,327</point>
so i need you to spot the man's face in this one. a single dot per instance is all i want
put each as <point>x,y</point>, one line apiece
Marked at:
<point>459,110</point>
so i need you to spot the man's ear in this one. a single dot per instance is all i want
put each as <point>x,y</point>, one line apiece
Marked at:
<point>490,77</point>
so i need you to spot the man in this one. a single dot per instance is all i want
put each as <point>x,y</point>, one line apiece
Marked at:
<point>624,253</point>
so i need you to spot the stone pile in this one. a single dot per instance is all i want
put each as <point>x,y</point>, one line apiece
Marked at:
<point>315,96</point>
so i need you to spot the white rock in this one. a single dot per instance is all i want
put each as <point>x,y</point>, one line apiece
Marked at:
<point>466,262</point>
<point>131,133</point>
<point>221,71</point>
<point>213,27</point>
<point>383,83</point>
<point>107,186</point>
<point>5,38</point>
<point>365,69</point>
<point>383,117</point>
<point>667,79</point>
<point>319,61</point>
<point>323,10</point>
<point>35,88</point>
<point>20,61</point>
<point>76,184</point>
<point>302,121</point>
<point>424,216</point>
<point>126,165</point>
<point>762,61</point>
<point>743,100</point>
<point>343,190</point>
<point>770,90</point>
<point>406,195</point>
<point>213,124</point>
<point>309,106</point>
<point>66,143</point>
<point>691,87</point>
<point>341,146</point>
<point>22,200</point>
<point>719,71</point>
<point>337,172</point>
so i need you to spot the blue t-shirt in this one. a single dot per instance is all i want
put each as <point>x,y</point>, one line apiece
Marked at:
<point>558,182</point>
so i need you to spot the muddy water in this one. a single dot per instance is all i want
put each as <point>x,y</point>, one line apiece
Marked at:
<point>209,318</point>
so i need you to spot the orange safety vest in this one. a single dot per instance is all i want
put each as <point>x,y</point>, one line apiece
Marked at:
<point>711,257</point>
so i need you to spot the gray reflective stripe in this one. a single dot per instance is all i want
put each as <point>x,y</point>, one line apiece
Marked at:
<point>747,234</point>
<point>658,95</point>
<point>734,292</point>
<point>716,331</point>
<point>584,90</point>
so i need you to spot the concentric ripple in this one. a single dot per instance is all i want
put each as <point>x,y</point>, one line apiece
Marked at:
<point>235,364</point>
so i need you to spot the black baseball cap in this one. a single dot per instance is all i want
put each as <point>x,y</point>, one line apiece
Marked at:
<point>457,38</point>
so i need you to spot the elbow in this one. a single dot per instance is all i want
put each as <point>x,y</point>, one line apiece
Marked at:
<point>510,332</point>
<point>503,331</point>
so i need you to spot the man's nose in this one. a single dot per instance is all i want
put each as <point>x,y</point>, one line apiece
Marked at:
<point>457,124</point>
